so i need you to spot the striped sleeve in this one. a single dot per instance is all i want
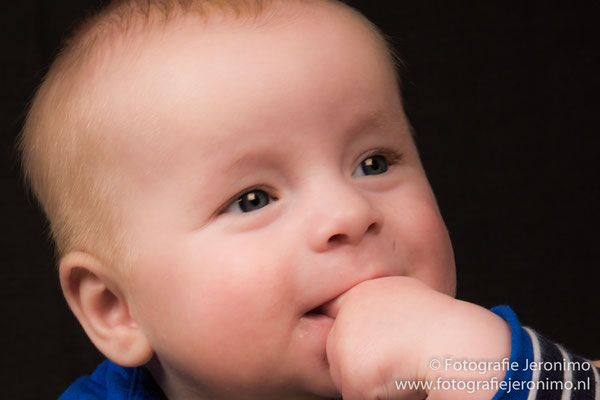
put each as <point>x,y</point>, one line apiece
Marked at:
<point>560,375</point>
<point>545,370</point>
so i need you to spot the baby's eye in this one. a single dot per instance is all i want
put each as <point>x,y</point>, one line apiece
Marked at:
<point>373,165</point>
<point>252,200</point>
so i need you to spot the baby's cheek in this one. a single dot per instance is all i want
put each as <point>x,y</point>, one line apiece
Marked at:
<point>211,339</point>
<point>425,244</point>
<point>198,318</point>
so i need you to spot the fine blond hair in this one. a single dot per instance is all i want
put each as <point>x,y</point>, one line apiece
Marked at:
<point>64,153</point>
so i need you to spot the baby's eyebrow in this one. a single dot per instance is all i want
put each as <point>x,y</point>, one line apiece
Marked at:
<point>249,156</point>
<point>372,119</point>
<point>377,121</point>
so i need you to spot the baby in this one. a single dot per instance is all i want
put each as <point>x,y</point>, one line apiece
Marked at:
<point>240,213</point>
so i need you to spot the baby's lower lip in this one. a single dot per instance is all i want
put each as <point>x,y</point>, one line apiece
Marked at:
<point>313,320</point>
<point>311,333</point>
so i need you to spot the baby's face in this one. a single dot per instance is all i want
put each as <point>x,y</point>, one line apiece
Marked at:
<point>270,170</point>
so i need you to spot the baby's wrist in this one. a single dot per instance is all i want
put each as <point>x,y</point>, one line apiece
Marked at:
<point>470,354</point>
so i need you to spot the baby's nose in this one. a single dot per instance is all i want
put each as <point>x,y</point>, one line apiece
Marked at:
<point>345,217</point>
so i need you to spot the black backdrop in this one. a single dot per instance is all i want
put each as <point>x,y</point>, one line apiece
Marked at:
<point>504,99</point>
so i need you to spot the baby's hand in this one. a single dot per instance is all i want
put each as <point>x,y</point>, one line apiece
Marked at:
<point>388,330</point>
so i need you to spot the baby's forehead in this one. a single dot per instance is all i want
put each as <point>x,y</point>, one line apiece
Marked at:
<point>120,38</point>
<point>129,68</point>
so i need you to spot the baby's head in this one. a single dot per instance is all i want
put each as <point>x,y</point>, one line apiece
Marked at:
<point>216,174</point>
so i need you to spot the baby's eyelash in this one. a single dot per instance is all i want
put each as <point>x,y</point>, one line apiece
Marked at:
<point>391,156</point>
<point>375,162</point>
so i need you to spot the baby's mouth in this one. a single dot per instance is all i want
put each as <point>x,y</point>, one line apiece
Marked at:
<point>328,309</point>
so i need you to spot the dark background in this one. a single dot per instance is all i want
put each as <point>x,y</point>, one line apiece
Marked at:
<point>504,99</point>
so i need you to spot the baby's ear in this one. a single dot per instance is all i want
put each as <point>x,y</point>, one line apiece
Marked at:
<point>93,293</point>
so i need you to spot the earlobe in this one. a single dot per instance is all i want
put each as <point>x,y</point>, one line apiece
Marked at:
<point>92,291</point>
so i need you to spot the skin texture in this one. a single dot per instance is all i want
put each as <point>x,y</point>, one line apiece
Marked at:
<point>218,302</point>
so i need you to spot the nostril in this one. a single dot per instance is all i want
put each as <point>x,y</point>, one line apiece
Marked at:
<point>372,227</point>
<point>337,238</point>
<point>343,238</point>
